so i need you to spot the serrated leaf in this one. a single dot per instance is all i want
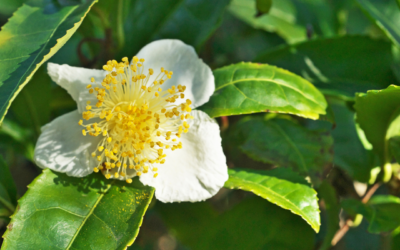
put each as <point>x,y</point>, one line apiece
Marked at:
<point>299,198</point>
<point>34,34</point>
<point>284,143</point>
<point>249,87</point>
<point>8,191</point>
<point>78,213</point>
<point>385,14</point>
<point>381,212</point>
<point>191,21</point>
<point>378,116</point>
<point>332,66</point>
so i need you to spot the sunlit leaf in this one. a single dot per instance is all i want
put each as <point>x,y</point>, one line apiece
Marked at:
<point>332,66</point>
<point>249,88</point>
<point>78,213</point>
<point>34,34</point>
<point>279,189</point>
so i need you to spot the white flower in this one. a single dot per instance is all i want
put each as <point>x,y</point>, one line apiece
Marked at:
<point>135,119</point>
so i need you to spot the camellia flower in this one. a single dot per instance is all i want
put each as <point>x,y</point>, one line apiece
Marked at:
<point>136,119</point>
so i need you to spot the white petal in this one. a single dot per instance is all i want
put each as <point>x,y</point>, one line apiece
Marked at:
<point>62,147</point>
<point>198,170</point>
<point>186,66</point>
<point>75,80</point>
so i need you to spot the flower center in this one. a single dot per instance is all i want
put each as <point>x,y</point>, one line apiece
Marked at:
<point>137,120</point>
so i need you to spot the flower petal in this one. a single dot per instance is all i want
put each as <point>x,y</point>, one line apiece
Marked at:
<point>198,170</point>
<point>62,147</point>
<point>75,80</point>
<point>186,66</point>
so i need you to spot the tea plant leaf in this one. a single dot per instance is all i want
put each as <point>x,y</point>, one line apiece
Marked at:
<point>248,88</point>
<point>61,212</point>
<point>299,198</point>
<point>331,66</point>
<point>34,34</point>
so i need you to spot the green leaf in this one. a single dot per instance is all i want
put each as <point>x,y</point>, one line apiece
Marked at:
<point>61,212</point>
<point>280,19</point>
<point>299,198</point>
<point>332,208</point>
<point>381,212</point>
<point>8,191</point>
<point>286,144</point>
<point>33,35</point>
<point>254,223</point>
<point>332,66</point>
<point>378,116</point>
<point>248,88</point>
<point>394,145</point>
<point>191,21</point>
<point>385,14</point>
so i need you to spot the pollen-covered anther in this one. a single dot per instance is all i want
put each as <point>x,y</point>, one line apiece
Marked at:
<point>138,122</point>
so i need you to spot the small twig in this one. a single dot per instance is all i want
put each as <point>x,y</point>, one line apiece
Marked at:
<point>342,231</point>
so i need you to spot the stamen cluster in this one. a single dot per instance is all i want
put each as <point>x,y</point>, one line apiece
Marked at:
<point>136,119</point>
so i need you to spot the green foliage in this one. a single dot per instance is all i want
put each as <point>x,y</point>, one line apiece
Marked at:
<point>328,195</point>
<point>8,191</point>
<point>284,143</point>
<point>386,15</point>
<point>380,211</point>
<point>78,213</point>
<point>331,66</point>
<point>23,51</point>
<point>281,187</point>
<point>252,224</point>
<point>349,152</point>
<point>378,116</point>
<point>248,88</point>
<point>189,21</point>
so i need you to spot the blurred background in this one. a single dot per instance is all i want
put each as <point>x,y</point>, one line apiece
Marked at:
<point>225,32</point>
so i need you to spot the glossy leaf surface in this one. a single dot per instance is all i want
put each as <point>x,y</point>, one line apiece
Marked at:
<point>278,188</point>
<point>34,34</point>
<point>330,65</point>
<point>64,212</point>
<point>248,88</point>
